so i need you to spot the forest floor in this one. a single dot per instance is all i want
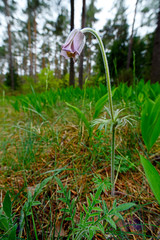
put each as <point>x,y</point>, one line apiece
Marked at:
<point>33,147</point>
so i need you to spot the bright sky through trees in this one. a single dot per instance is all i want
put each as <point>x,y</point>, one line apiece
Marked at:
<point>107,12</point>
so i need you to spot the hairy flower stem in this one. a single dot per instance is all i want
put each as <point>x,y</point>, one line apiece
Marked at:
<point>90,30</point>
<point>112,160</point>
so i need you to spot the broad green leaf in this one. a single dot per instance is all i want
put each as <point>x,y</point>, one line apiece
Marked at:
<point>129,92</point>
<point>150,122</point>
<point>145,121</point>
<point>153,177</point>
<point>12,234</point>
<point>7,205</point>
<point>141,97</point>
<point>125,206</point>
<point>99,105</point>
<point>4,223</point>
<point>82,117</point>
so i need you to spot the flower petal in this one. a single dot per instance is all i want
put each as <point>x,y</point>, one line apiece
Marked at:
<point>70,37</point>
<point>64,54</point>
<point>73,45</point>
<point>79,42</point>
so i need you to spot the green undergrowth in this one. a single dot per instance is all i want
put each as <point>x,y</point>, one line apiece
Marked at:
<point>43,138</point>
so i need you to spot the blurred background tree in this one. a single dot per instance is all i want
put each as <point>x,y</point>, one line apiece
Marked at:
<point>8,8</point>
<point>155,70</point>
<point>33,32</point>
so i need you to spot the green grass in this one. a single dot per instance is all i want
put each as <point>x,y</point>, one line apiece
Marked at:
<point>41,136</point>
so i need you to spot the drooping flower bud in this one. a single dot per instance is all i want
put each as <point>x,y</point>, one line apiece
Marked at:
<point>73,45</point>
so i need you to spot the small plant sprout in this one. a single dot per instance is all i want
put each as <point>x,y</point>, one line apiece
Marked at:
<point>73,47</point>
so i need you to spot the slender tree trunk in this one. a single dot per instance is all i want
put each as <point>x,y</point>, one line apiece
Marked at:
<point>82,54</point>
<point>71,76</point>
<point>30,48</point>
<point>56,65</point>
<point>155,68</point>
<point>9,44</point>
<point>21,65</point>
<point>131,37</point>
<point>43,58</point>
<point>35,43</point>
<point>24,63</point>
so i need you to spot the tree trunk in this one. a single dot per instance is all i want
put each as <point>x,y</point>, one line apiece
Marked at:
<point>30,48</point>
<point>43,57</point>
<point>35,44</point>
<point>24,63</point>
<point>131,37</point>
<point>56,66</point>
<point>155,68</point>
<point>71,76</point>
<point>9,44</point>
<point>81,56</point>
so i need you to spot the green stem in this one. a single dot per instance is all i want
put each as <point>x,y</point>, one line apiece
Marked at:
<point>34,225</point>
<point>112,160</point>
<point>90,30</point>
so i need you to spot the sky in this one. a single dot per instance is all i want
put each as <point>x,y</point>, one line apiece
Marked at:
<point>104,5</point>
<point>106,13</point>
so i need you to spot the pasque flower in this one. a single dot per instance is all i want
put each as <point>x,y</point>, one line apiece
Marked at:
<point>73,48</point>
<point>73,45</point>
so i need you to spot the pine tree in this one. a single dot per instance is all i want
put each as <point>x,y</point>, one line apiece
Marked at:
<point>71,76</point>
<point>34,7</point>
<point>7,9</point>
<point>155,69</point>
<point>115,38</point>
<point>81,56</point>
<point>91,19</point>
<point>131,37</point>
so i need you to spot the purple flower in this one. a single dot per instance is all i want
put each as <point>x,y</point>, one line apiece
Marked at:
<point>73,45</point>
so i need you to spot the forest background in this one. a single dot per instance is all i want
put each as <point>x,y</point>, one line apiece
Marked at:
<point>32,34</point>
<point>60,144</point>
